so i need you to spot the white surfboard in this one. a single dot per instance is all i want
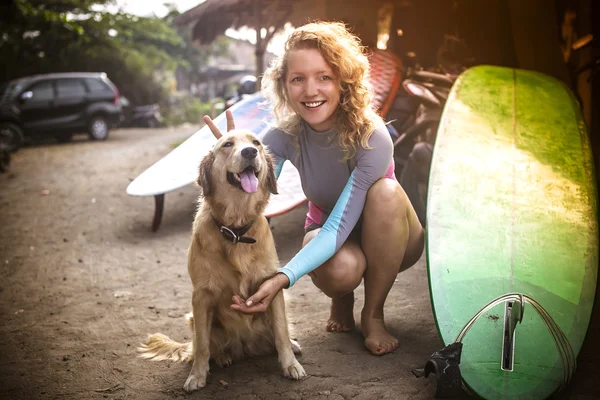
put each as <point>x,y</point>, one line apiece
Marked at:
<point>179,168</point>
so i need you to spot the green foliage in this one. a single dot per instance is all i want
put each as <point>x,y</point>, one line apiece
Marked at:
<point>138,54</point>
<point>193,56</point>
<point>186,109</point>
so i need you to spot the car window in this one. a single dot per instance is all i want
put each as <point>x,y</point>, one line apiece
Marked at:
<point>96,85</point>
<point>42,91</point>
<point>69,88</point>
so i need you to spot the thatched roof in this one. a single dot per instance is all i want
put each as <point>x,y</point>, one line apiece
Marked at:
<point>214,17</point>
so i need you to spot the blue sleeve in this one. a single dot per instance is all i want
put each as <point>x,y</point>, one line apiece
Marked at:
<point>371,165</point>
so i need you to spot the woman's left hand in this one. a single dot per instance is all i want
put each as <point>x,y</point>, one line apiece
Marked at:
<point>259,301</point>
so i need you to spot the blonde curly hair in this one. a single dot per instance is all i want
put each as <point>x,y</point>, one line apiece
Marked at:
<point>343,52</point>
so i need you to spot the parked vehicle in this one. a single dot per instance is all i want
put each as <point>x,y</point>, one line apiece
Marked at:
<point>246,86</point>
<point>593,66</point>
<point>427,93</point>
<point>60,105</point>
<point>145,116</point>
<point>416,113</point>
<point>11,139</point>
<point>4,157</point>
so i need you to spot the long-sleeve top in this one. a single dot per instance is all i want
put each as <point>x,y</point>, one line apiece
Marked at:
<point>336,186</point>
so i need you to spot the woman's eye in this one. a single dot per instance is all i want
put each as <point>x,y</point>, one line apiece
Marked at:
<point>256,143</point>
<point>296,79</point>
<point>326,78</point>
<point>227,144</point>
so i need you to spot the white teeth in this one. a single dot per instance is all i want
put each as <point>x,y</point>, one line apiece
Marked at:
<point>237,177</point>
<point>313,105</point>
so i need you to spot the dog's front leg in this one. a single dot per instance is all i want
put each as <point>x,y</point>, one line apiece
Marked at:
<point>203,316</point>
<point>290,366</point>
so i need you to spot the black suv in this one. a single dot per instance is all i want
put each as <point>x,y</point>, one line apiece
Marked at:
<point>60,105</point>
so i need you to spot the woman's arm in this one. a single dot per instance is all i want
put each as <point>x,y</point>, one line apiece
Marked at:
<point>372,165</point>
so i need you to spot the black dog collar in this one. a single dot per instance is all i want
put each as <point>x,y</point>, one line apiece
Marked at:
<point>233,234</point>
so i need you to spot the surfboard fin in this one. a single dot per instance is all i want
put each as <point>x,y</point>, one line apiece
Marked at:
<point>513,315</point>
<point>445,363</point>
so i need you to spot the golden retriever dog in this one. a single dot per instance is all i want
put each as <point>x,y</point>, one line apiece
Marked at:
<point>231,253</point>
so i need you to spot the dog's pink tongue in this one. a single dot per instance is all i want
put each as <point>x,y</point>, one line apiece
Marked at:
<point>249,181</point>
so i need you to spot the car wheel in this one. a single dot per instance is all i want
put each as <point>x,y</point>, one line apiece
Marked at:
<point>98,128</point>
<point>11,136</point>
<point>4,158</point>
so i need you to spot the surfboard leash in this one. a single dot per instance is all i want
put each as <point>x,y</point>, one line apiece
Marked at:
<point>445,362</point>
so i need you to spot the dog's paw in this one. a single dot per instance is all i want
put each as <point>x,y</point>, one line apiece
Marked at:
<point>223,360</point>
<point>296,347</point>
<point>194,382</point>
<point>294,371</point>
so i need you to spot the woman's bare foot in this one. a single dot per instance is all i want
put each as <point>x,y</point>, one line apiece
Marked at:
<point>377,339</point>
<point>341,318</point>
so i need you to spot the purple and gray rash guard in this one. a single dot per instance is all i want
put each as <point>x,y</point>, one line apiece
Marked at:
<point>336,189</point>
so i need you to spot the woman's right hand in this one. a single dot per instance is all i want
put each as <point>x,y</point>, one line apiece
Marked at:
<point>213,128</point>
<point>260,301</point>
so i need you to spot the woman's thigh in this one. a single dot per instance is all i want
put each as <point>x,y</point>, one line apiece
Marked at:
<point>387,210</point>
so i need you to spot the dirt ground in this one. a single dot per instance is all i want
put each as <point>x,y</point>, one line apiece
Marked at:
<point>83,280</point>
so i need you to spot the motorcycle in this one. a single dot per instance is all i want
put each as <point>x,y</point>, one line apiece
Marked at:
<point>417,112</point>
<point>146,116</point>
<point>246,86</point>
<point>425,93</point>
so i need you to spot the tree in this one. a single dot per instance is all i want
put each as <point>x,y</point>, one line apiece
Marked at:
<point>73,35</point>
<point>192,55</point>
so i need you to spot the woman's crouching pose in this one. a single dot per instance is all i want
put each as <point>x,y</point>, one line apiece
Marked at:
<point>360,223</point>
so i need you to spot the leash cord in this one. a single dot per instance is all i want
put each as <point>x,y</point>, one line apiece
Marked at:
<point>561,342</point>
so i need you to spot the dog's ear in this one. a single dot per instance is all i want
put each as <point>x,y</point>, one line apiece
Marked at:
<point>271,179</point>
<point>204,173</point>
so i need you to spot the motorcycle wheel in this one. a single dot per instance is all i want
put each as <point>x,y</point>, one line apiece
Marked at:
<point>152,123</point>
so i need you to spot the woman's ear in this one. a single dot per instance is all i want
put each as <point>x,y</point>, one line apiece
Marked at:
<point>271,179</point>
<point>205,173</point>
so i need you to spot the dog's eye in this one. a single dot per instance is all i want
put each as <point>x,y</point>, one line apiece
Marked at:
<point>228,144</point>
<point>256,143</point>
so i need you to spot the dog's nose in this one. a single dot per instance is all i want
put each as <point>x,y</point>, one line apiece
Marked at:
<point>249,153</point>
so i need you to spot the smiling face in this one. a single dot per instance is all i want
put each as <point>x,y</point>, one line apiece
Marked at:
<point>312,88</point>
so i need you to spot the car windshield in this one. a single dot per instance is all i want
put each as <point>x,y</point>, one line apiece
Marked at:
<point>10,90</point>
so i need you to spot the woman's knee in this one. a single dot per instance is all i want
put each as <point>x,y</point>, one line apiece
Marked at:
<point>341,274</point>
<point>385,196</point>
<point>309,236</point>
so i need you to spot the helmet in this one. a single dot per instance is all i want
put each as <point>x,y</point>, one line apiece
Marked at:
<point>247,85</point>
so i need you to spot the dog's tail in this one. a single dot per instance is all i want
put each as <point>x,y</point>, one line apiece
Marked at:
<point>159,347</point>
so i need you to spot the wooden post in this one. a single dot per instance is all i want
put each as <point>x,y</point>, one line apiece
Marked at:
<point>260,44</point>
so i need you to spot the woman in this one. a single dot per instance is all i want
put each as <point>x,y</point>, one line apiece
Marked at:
<point>360,223</point>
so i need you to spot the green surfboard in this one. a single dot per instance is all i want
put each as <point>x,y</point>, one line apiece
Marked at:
<point>512,209</point>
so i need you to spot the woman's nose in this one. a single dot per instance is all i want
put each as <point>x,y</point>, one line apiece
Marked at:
<point>311,87</point>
